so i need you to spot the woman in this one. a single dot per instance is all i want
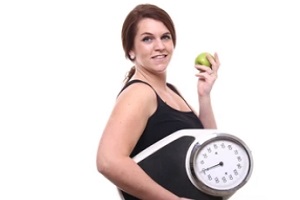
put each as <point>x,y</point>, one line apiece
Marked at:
<point>148,108</point>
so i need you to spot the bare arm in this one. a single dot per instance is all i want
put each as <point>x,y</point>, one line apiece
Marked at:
<point>206,79</point>
<point>206,114</point>
<point>124,127</point>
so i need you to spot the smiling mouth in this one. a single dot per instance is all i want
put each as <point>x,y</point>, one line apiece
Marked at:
<point>159,56</point>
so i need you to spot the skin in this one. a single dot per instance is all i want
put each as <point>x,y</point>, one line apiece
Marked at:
<point>153,49</point>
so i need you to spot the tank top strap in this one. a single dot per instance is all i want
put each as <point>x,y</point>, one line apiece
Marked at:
<point>172,87</point>
<point>136,81</point>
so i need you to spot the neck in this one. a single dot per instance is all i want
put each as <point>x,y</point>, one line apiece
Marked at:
<point>155,80</point>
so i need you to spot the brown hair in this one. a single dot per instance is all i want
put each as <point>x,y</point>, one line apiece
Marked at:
<point>129,28</point>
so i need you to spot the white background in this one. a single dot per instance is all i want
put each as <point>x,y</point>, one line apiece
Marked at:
<point>62,65</point>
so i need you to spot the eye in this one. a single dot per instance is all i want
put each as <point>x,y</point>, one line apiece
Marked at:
<point>166,37</point>
<point>147,39</point>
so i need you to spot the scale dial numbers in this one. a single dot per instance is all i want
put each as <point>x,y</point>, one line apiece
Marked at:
<point>221,164</point>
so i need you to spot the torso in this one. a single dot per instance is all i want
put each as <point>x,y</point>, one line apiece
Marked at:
<point>165,120</point>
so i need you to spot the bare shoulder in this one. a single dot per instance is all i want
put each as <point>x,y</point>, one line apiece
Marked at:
<point>138,97</point>
<point>129,117</point>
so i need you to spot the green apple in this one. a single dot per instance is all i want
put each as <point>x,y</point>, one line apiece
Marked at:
<point>201,59</point>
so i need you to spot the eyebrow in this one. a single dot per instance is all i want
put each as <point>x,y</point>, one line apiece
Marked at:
<point>147,33</point>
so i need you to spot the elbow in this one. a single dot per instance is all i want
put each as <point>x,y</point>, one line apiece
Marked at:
<point>105,164</point>
<point>102,160</point>
<point>102,165</point>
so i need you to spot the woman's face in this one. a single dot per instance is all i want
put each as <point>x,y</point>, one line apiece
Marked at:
<point>153,46</point>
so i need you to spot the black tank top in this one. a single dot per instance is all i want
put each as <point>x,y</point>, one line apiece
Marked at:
<point>164,121</point>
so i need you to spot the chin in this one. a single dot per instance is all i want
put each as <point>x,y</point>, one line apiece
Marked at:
<point>161,68</point>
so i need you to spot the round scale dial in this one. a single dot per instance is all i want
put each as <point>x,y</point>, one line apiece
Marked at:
<point>220,165</point>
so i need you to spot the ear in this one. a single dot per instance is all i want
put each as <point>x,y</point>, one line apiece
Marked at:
<point>131,55</point>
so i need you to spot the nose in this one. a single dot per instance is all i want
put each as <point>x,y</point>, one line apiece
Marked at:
<point>159,44</point>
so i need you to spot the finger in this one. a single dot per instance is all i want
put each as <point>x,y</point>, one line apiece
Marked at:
<point>215,63</point>
<point>206,75</point>
<point>210,58</point>
<point>203,68</point>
